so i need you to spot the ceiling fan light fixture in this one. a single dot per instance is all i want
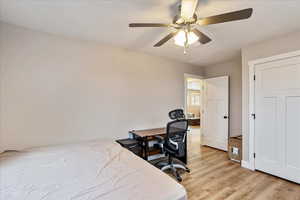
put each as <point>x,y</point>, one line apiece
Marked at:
<point>180,38</point>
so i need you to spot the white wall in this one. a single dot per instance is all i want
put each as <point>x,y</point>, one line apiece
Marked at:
<point>284,44</point>
<point>233,69</point>
<point>58,90</point>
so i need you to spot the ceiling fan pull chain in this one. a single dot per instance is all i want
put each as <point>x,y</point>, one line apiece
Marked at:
<point>186,43</point>
<point>186,38</point>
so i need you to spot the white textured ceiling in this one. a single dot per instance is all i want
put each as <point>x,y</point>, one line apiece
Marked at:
<point>106,21</point>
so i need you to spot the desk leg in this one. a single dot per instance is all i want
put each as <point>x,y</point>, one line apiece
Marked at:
<point>141,144</point>
<point>146,148</point>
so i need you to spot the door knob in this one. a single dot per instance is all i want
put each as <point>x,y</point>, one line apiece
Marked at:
<point>225,117</point>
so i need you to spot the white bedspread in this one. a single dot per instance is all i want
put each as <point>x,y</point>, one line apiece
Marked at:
<point>87,171</point>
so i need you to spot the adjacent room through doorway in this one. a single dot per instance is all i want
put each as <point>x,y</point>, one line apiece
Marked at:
<point>193,109</point>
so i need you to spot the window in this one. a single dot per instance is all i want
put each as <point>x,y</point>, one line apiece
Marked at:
<point>195,99</point>
<point>194,85</point>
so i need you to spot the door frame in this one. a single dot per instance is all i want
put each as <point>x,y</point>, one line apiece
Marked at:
<point>186,75</point>
<point>252,64</point>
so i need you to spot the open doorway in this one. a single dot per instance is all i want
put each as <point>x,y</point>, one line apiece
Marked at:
<point>193,110</point>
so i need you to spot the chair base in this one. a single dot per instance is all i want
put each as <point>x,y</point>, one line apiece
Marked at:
<point>173,167</point>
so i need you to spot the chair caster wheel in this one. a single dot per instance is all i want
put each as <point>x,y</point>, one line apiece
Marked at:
<point>179,179</point>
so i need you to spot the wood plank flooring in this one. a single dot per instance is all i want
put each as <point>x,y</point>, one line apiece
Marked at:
<point>214,177</point>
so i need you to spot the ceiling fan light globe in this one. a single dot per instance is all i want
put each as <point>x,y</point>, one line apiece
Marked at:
<point>180,38</point>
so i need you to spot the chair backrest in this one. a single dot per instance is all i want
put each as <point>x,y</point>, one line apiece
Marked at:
<point>176,136</point>
<point>177,114</point>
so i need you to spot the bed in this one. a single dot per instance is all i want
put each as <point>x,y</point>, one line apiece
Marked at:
<point>86,171</point>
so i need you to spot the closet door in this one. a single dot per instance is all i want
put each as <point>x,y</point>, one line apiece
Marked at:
<point>277,124</point>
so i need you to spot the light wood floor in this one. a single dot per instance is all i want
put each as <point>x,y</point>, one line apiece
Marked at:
<point>213,176</point>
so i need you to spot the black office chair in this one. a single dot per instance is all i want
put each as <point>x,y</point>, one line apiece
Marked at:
<point>174,147</point>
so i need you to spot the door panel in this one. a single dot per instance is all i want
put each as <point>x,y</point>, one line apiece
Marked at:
<point>281,78</point>
<point>215,126</point>
<point>268,110</point>
<point>277,124</point>
<point>293,132</point>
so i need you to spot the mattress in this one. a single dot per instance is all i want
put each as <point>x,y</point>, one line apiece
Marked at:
<point>87,171</point>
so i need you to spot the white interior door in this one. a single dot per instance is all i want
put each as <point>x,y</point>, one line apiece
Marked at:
<point>215,116</point>
<point>277,123</point>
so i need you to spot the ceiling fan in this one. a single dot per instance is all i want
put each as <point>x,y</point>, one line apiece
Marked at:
<point>185,24</point>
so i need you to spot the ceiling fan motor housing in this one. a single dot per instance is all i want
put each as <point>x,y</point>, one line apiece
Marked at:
<point>179,20</point>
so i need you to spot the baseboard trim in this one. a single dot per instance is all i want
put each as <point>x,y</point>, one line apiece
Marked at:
<point>215,144</point>
<point>247,165</point>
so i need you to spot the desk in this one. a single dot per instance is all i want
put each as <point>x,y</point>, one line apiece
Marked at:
<point>194,121</point>
<point>148,134</point>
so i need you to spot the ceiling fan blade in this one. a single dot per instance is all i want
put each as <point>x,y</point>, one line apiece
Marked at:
<point>148,25</point>
<point>165,39</point>
<point>188,8</point>
<point>227,17</point>
<point>203,39</point>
